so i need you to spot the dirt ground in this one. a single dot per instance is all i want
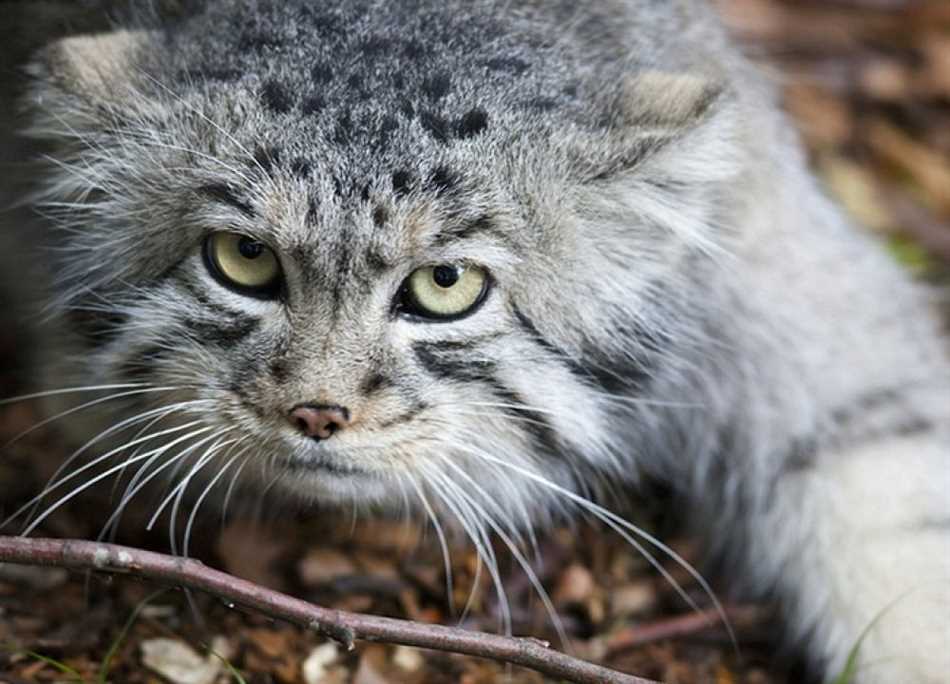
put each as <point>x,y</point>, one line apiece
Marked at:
<point>868,83</point>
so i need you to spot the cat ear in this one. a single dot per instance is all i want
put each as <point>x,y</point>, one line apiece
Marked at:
<point>669,126</point>
<point>667,100</point>
<point>94,70</point>
<point>669,154</point>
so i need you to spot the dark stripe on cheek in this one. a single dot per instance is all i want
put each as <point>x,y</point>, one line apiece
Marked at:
<point>459,367</point>
<point>594,366</point>
<point>200,296</point>
<point>418,406</point>
<point>221,334</point>
<point>463,368</point>
<point>534,423</point>
<point>528,326</point>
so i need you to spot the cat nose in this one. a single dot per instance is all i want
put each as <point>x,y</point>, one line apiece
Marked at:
<point>319,421</point>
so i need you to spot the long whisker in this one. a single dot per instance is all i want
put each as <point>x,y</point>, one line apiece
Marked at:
<point>621,527</point>
<point>69,390</point>
<point>78,490</point>
<point>483,549</point>
<point>446,556</point>
<point>512,546</point>
<point>163,412</point>
<point>53,486</point>
<point>140,482</point>
<point>204,494</point>
<point>81,407</point>
<point>233,482</point>
<point>182,485</point>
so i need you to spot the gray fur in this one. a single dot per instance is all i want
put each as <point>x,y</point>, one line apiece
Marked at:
<point>673,295</point>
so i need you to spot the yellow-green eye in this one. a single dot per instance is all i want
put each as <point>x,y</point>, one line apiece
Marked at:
<point>444,291</point>
<point>243,264</point>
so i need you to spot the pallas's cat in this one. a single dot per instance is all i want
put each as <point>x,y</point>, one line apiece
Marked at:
<point>489,256</point>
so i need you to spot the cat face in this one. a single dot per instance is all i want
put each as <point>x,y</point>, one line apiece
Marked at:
<point>367,283</point>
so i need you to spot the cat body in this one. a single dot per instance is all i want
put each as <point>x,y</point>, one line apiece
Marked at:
<point>492,257</point>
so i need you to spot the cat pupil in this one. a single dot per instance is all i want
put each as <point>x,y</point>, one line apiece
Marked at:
<point>445,276</point>
<point>250,249</point>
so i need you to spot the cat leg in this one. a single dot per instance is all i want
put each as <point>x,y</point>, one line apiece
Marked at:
<point>861,540</point>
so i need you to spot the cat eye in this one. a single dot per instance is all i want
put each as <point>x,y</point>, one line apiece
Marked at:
<point>243,264</point>
<point>444,291</point>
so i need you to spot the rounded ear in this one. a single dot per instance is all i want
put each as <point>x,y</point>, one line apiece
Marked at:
<point>95,68</point>
<point>654,114</point>
<point>666,100</point>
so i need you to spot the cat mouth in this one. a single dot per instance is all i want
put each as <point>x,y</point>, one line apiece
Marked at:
<point>323,465</point>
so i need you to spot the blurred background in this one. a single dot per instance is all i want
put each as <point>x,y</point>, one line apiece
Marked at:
<point>868,84</point>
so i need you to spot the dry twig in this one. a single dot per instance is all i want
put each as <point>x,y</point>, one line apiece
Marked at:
<point>342,626</point>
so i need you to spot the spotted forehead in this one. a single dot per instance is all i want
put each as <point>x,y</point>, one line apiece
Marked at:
<point>367,77</point>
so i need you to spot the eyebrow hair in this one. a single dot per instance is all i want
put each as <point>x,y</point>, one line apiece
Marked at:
<point>467,228</point>
<point>220,192</point>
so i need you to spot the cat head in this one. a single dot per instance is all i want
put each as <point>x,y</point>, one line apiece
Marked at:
<point>450,255</point>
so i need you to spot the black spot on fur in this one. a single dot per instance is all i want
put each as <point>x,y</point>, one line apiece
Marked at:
<point>364,192</point>
<point>267,159</point>
<point>344,129</point>
<point>376,263</point>
<point>380,216</point>
<point>386,127</point>
<point>355,81</point>
<point>280,369</point>
<point>511,65</point>
<point>321,73</point>
<point>276,97</point>
<point>414,50</point>
<point>402,183</point>
<point>408,109</point>
<point>472,123</point>
<point>301,168</point>
<point>313,104</point>
<point>376,46</point>
<point>442,179</point>
<point>437,87</point>
<point>436,125</point>
<point>374,383</point>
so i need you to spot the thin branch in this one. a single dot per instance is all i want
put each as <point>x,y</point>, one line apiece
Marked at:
<point>682,626</point>
<point>342,626</point>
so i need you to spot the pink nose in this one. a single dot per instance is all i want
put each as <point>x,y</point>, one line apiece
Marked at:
<point>319,421</point>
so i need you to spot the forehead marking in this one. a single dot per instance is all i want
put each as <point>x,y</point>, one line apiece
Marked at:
<point>276,97</point>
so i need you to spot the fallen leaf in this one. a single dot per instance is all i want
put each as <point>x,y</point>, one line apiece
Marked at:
<point>178,662</point>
